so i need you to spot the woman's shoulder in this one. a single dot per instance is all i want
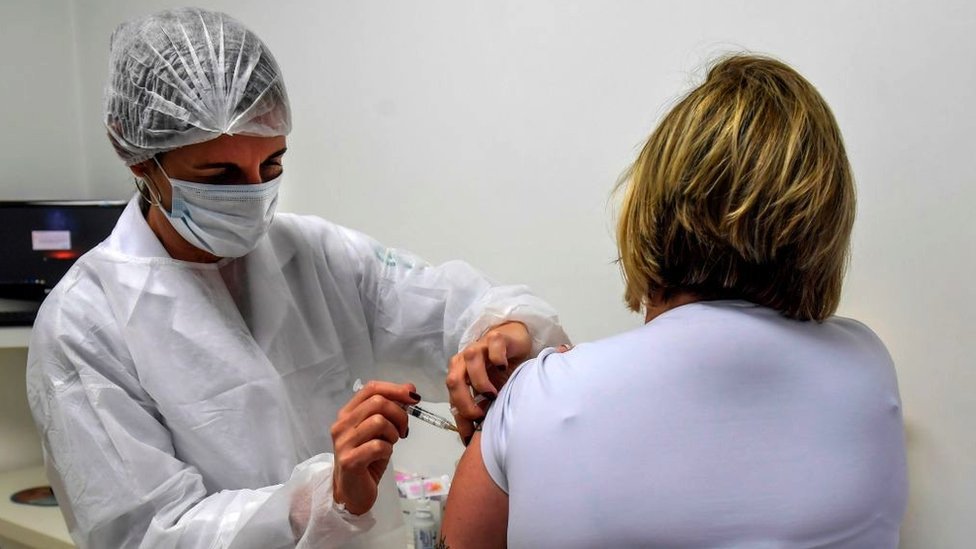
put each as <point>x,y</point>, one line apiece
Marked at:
<point>740,323</point>
<point>697,339</point>
<point>855,329</point>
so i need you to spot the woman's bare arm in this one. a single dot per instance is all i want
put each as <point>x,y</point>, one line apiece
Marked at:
<point>476,516</point>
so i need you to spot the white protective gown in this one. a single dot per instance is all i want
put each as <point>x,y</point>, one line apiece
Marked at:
<point>188,405</point>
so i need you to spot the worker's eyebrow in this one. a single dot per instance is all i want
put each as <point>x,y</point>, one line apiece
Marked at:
<point>226,165</point>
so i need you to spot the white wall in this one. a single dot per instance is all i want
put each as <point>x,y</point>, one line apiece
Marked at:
<point>40,144</point>
<point>494,131</point>
<point>41,158</point>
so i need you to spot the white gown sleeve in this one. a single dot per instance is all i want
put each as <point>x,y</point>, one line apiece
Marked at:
<point>420,314</point>
<point>117,477</point>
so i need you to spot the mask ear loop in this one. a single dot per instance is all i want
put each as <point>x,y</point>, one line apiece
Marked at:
<point>148,192</point>
<point>147,189</point>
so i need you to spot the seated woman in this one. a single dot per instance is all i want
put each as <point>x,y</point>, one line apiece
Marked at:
<point>743,413</point>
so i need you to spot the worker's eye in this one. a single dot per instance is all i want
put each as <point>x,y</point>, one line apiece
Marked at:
<point>223,177</point>
<point>270,170</point>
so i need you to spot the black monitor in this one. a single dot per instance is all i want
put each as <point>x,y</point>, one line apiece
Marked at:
<point>40,240</point>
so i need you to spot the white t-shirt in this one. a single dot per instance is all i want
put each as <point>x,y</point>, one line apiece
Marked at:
<point>717,424</point>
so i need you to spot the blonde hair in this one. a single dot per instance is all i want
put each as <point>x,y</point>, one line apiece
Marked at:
<point>743,191</point>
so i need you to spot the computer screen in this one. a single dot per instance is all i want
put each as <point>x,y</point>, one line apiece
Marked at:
<point>39,241</point>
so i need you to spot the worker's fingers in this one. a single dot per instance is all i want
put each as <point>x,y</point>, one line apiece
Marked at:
<point>374,427</point>
<point>399,392</point>
<point>465,428</point>
<point>497,345</point>
<point>359,458</point>
<point>349,419</point>
<point>459,392</point>
<point>476,366</point>
<point>518,341</point>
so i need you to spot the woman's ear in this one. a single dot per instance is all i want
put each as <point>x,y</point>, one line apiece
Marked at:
<point>141,169</point>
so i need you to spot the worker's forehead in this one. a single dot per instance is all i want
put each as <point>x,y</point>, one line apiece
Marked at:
<point>235,149</point>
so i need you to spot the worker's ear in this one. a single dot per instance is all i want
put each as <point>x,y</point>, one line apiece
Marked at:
<point>141,169</point>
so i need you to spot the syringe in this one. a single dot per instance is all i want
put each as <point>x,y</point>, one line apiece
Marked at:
<point>417,412</point>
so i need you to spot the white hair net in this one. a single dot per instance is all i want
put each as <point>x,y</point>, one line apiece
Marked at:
<point>186,76</point>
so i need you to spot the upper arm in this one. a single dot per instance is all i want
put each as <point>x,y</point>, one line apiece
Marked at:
<point>477,509</point>
<point>416,313</point>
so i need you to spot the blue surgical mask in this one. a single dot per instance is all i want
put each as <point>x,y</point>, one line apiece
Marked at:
<point>225,220</point>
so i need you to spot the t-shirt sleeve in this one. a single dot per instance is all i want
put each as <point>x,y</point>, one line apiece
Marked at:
<point>502,418</point>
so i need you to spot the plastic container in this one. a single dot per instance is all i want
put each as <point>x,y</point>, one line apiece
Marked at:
<point>425,527</point>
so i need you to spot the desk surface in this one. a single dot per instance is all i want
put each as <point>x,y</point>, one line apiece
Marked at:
<point>12,338</point>
<point>27,524</point>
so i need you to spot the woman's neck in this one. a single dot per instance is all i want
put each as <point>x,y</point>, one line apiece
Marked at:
<point>653,308</point>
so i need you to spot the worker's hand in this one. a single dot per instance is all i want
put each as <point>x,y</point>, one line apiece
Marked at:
<point>363,437</point>
<point>484,367</point>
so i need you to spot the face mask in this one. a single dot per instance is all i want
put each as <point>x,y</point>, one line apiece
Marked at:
<point>225,220</point>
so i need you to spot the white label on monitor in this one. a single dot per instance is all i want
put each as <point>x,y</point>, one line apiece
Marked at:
<point>51,240</point>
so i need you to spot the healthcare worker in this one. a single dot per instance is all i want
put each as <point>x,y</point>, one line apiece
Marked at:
<point>191,377</point>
